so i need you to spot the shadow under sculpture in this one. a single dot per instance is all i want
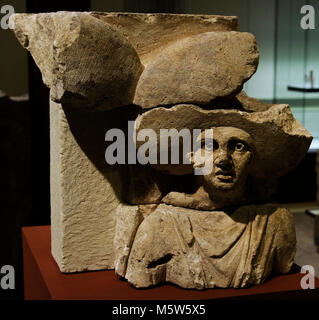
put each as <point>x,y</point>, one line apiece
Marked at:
<point>161,223</point>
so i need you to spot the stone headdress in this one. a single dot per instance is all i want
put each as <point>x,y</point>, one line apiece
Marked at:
<point>280,140</point>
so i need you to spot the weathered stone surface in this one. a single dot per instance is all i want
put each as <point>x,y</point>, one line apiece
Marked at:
<point>204,249</point>
<point>200,200</point>
<point>203,199</point>
<point>84,61</point>
<point>280,140</point>
<point>92,60</point>
<point>198,69</point>
<point>128,219</point>
<point>251,104</point>
<point>150,33</point>
<point>84,191</point>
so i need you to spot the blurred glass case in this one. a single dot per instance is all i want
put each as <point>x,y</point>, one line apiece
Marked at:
<point>297,65</point>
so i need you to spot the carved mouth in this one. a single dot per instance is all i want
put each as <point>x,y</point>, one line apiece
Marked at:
<point>225,176</point>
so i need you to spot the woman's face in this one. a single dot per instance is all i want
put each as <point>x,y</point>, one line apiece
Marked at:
<point>229,152</point>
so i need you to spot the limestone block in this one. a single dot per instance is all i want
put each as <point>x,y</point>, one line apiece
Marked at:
<point>84,61</point>
<point>198,69</point>
<point>85,191</point>
<point>94,60</point>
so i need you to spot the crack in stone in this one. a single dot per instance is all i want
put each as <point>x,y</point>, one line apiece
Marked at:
<point>160,261</point>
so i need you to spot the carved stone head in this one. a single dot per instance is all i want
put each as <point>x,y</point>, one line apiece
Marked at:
<point>227,151</point>
<point>230,150</point>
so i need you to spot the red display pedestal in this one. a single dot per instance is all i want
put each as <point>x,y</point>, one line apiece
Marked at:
<point>44,281</point>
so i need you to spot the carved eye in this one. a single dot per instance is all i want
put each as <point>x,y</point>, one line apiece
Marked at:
<point>210,145</point>
<point>239,146</point>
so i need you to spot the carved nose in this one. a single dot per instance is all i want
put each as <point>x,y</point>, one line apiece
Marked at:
<point>223,160</point>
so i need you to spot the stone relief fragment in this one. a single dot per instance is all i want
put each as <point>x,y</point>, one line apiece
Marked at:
<point>162,222</point>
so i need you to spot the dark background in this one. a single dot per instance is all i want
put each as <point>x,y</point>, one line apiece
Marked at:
<point>25,152</point>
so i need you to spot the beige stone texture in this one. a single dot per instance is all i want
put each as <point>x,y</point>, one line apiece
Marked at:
<point>128,219</point>
<point>85,191</point>
<point>85,62</point>
<point>150,33</point>
<point>251,104</point>
<point>198,69</point>
<point>205,249</point>
<point>94,60</point>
